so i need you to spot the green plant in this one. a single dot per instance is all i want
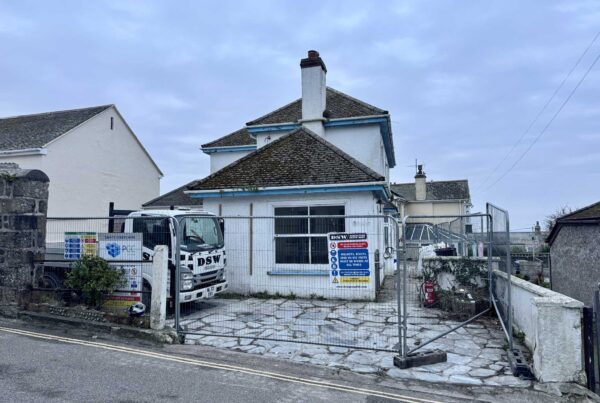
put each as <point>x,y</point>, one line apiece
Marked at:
<point>7,177</point>
<point>93,277</point>
<point>466,271</point>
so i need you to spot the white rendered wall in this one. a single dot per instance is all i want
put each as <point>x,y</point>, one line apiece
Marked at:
<point>361,142</point>
<point>92,166</point>
<point>552,326</point>
<point>222,159</point>
<point>262,259</point>
<point>434,209</point>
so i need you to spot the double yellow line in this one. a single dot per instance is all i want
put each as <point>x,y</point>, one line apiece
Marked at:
<point>225,367</point>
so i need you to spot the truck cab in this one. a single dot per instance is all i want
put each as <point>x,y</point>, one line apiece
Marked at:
<point>202,257</point>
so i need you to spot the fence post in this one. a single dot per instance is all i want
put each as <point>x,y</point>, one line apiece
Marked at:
<point>160,266</point>
<point>588,347</point>
<point>597,334</point>
<point>175,257</point>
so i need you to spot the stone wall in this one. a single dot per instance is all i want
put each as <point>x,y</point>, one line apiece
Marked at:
<point>575,258</point>
<point>23,206</point>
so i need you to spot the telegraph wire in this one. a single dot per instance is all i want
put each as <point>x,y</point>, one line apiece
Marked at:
<point>539,114</point>
<point>581,80</point>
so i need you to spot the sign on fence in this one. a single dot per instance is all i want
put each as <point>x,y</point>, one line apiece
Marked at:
<point>122,247</point>
<point>78,244</point>
<point>349,265</point>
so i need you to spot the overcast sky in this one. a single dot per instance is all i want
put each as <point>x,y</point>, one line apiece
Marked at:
<point>462,80</point>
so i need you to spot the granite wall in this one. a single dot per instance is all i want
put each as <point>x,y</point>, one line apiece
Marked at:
<point>23,207</point>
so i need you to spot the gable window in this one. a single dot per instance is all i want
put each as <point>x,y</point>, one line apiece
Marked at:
<point>301,233</point>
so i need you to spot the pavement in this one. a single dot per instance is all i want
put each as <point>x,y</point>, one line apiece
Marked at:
<point>342,331</point>
<point>50,362</point>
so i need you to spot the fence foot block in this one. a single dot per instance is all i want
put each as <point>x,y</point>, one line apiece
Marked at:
<point>519,366</point>
<point>426,357</point>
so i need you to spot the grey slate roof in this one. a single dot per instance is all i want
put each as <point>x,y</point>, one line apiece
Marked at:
<point>238,138</point>
<point>590,212</point>
<point>35,131</point>
<point>296,159</point>
<point>436,190</point>
<point>339,105</point>
<point>174,198</point>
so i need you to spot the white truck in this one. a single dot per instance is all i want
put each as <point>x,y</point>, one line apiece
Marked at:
<point>202,258</point>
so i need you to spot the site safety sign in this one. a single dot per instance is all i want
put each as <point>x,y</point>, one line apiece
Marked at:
<point>122,250</point>
<point>349,265</point>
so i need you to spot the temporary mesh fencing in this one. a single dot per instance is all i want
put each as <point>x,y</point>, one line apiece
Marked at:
<point>445,275</point>
<point>284,285</point>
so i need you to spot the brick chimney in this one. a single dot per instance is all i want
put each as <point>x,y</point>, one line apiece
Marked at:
<point>313,92</point>
<point>420,184</point>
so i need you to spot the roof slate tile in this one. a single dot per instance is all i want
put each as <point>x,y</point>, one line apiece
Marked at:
<point>296,159</point>
<point>35,131</point>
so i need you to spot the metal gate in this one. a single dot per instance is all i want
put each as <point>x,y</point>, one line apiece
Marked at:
<point>465,281</point>
<point>282,286</point>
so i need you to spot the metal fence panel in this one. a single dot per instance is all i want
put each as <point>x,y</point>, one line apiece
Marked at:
<point>282,285</point>
<point>127,243</point>
<point>441,294</point>
<point>501,251</point>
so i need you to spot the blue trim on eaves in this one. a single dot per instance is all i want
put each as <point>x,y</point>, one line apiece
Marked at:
<point>274,128</point>
<point>380,190</point>
<point>211,150</point>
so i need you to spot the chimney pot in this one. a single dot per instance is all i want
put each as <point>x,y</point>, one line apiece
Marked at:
<point>420,184</point>
<point>313,54</point>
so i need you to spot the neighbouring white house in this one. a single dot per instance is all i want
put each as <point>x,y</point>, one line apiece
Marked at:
<point>325,154</point>
<point>441,200</point>
<point>91,156</point>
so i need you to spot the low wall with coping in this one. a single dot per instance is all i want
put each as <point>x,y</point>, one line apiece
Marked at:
<point>551,323</point>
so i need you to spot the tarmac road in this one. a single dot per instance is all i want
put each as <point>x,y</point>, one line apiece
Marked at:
<point>37,367</point>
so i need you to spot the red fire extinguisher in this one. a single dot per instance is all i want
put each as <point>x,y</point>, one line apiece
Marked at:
<point>429,292</point>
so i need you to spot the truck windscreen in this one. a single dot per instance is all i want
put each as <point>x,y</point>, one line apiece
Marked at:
<point>200,233</point>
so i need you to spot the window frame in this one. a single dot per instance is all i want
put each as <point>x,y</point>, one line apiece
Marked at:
<point>308,234</point>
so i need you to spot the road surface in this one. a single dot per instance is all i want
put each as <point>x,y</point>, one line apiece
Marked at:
<point>38,367</point>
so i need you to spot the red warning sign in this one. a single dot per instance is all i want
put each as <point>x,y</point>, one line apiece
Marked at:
<point>353,245</point>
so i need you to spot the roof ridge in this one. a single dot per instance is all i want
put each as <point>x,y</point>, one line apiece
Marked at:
<point>342,154</point>
<point>434,181</point>
<point>60,111</point>
<point>566,216</point>
<point>250,123</point>
<point>384,112</point>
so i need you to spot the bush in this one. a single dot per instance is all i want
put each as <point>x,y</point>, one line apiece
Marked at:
<point>92,276</point>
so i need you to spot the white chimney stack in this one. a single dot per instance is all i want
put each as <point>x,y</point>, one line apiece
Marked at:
<point>313,92</point>
<point>420,184</point>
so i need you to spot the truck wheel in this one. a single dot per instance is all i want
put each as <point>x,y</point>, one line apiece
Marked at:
<point>51,280</point>
<point>146,295</point>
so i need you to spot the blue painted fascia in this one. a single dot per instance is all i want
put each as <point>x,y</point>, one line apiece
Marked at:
<point>380,190</point>
<point>212,150</point>
<point>253,130</point>
<point>384,127</point>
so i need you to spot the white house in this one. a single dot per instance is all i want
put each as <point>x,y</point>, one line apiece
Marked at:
<point>91,156</point>
<point>323,154</point>
<point>437,199</point>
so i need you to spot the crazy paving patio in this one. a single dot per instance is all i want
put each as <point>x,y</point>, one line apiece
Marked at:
<point>347,331</point>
